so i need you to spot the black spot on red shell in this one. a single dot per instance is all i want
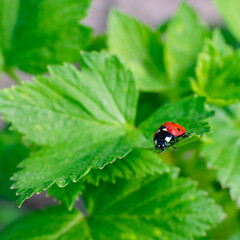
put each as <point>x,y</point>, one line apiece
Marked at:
<point>178,129</point>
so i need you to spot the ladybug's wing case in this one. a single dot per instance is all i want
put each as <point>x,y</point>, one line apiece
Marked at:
<point>174,128</point>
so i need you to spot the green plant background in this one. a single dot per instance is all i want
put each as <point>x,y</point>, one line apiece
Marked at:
<point>83,128</point>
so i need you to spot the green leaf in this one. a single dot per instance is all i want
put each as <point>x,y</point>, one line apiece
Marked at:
<point>152,208</point>
<point>84,119</point>
<point>223,152</point>
<point>138,163</point>
<point>67,195</point>
<point>9,17</point>
<point>140,47</point>
<point>218,71</point>
<point>229,10</point>
<point>53,223</point>
<point>98,43</point>
<point>35,34</point>
<point>184,40</point>
<point>189,112</point>
<point>235,236</point>
<point>193,166</point>
<point>148,103</point>
<point>12,151</point>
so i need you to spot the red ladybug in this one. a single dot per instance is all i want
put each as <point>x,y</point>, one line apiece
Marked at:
<point>167,135</point>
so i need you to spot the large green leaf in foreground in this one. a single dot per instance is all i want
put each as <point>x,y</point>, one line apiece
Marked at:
<point>151,208</point>
<point>223,151</point>
<point>83,118</point>
<point>218,72</point>
<point>34,34</point>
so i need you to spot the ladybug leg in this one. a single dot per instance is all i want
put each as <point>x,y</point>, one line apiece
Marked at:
<point>184,135</point>
<point>162,150</point>
<point>175,140</point>
<point>171,144</point>
<point>173,147</point>
<point>155,147</point>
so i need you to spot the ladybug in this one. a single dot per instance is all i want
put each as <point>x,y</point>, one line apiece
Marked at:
<point>167,135</point>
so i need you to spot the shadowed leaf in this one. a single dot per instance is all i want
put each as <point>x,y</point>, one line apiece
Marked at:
<point>152,208</point>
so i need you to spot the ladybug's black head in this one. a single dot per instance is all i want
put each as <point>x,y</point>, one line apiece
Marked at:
<point>161,145</point>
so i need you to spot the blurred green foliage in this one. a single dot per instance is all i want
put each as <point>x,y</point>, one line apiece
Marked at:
<point>35,34</point>
<point>218,66</point>
<point>93,127</point>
